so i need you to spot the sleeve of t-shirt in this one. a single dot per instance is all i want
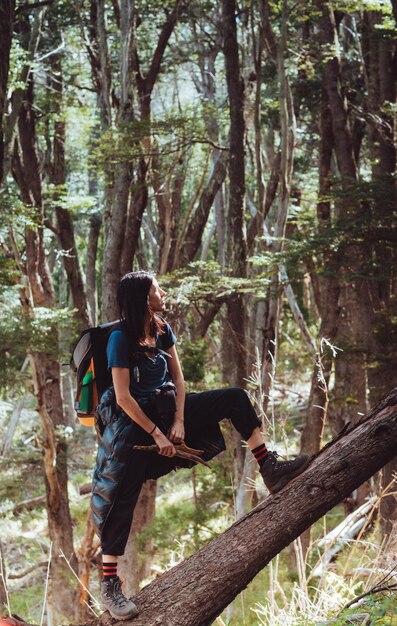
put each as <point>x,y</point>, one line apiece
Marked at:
<point>117,350</point>
<point>167,339</point>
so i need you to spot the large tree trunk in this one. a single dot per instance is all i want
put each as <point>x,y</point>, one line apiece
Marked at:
<point>234,338</point>
<point>195,592</point>
<point>236,245</point>
<point>354,298</point>
<point>380,55</point>
<point>116,218</point>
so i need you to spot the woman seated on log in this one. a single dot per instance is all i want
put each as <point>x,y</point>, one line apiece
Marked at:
<point>142,409</point>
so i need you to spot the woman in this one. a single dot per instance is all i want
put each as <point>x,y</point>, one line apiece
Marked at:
<point>141,409</point>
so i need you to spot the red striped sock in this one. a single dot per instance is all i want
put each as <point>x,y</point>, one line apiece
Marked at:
<point>109,570</point>
<point>260,453</point>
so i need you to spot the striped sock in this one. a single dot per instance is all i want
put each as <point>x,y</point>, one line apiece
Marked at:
<point>109,570</point>
<point>260,453</point>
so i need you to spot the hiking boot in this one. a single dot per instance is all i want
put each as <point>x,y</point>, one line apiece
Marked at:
<point>276,474</point>
<point>113,599</point>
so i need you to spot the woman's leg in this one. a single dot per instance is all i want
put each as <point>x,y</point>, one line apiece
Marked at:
<point>210,407</point>
<point>256,439</point>
<point>115,533</point>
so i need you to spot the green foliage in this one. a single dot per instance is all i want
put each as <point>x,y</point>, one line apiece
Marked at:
<point>13,212</point>
<point>59,195</point>
<point>194,355</point>
<point>18,58</point>
<point>194,507</point>
<point>169,133</point>
<point>38,334</point>
<point>381,609</point>
<point>208,282</point>
<point>45,327</point>
<point>28,601</point>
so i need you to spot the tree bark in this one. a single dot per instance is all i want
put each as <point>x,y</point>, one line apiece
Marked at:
<point>380,55</point>
<point>354,299</point>
<point>46,374</point>
<point>31,33</point>
<point>90,271</point>
<point>234,339</point>
<point>168,195</point>
<point>65,227</point>
<point>85,554</point>
<point>122,234</point>
<point>326,294</point>
<point>268,312</point>
<point>236,251</point>
<point>3,580</point>
<point>116,218</point>
<point>194,233</point>
<point>6,25</point>
<point>196,591</point>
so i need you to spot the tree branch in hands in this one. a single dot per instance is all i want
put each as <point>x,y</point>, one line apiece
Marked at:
<point>166,448</point>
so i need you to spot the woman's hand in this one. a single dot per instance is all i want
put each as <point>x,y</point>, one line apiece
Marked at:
<point>176,432</point>
<point>165,446</point>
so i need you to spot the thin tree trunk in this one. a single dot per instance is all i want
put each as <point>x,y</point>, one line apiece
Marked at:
<point>3,580</point>
<point>85,555</point>
<point>269,312</point>
<point>31,37</point>
<point>168,189</point>
<point>90,271</point>
<point>326,296</point>
<point>197,223</point>
<point>65,227</point>
<point>6,26</point>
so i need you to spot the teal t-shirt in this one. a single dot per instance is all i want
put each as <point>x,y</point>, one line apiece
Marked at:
<point>147,373</point>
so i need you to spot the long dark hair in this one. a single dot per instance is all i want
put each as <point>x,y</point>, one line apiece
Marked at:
<point>132,298</point>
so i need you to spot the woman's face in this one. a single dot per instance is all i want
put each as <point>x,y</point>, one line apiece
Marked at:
<point>156,297</point>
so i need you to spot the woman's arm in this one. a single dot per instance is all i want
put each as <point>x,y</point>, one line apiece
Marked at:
<point>121,382</point>
<point>177,430</point>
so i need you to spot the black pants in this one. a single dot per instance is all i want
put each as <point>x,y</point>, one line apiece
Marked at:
<point>201,410</point>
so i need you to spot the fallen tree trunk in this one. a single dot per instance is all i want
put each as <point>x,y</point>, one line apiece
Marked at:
<point>196,591</point>
<point>345,532</point>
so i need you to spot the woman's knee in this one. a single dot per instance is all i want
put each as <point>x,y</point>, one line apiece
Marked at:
<point>238,395</point>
